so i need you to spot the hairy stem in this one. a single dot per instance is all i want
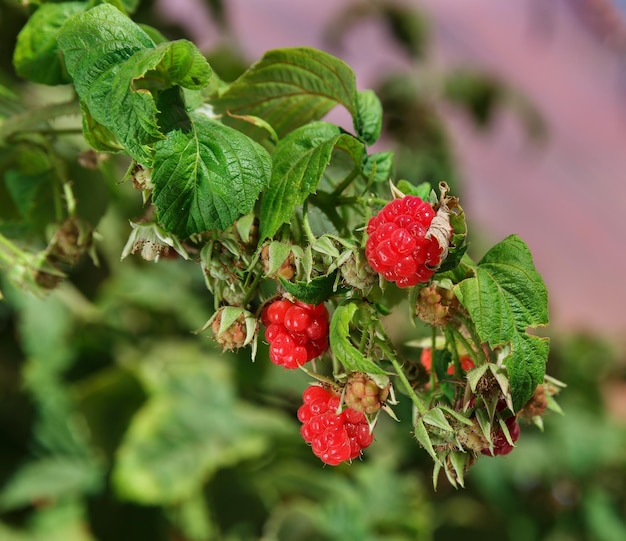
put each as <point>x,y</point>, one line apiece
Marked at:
<point>421,407</point>
<point>317,376</point>
<point>31,119</point>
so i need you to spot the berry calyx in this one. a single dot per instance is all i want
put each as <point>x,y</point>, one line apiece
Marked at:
<point>399,245</point>
<point>233,327</point>
<point>335,435</point>
<point>296,332</point>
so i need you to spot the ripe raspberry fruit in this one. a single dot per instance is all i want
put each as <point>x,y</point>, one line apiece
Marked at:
<point>297,332</point>
<point>335,436</point>
<point>399,245</point>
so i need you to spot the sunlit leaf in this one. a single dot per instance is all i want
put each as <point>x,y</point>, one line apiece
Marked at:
<point>207,177</point>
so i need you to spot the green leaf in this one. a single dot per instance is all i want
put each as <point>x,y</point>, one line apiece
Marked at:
<point>378,167</point>
<point>421,435</point>
<point>49,479</point>
<point>192,425</point>
<point>98,136</point>
<point>278,253</point>
<point>96,45</point>
<point>368,118</point>
<point>504,298</point>
<point>169,64</point>
<point>23,188</point>
<point>207,177</point>
<point>36,56</point>
<point>436,418</point>
<point>299,161</point>
<point>341,346</point>
<point>422,190</point>
<point>118,73</point>
<point>313,292</point>
<point>62,520</point>
<point>290,87</point>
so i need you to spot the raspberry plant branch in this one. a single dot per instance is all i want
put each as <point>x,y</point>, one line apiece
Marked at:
<point>229,173</point>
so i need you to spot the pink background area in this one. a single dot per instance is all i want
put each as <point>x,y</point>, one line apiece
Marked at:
<point>565,197</point>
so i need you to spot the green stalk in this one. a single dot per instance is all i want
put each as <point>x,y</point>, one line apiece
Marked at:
<point>8,251</point>
<point>31,119</point>
<point>433,339</point>
<point>306,226</point>
<point>317,376</point>
<point>421,407</point>
<point>252,289</point>
<point>450,339</point>
<point>345,182</point>
<point>469,325</point>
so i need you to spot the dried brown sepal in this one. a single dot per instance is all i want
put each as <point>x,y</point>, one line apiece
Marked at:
<point>537,404</point>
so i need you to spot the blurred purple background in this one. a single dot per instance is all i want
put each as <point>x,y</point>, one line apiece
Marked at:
<point>564,197</point>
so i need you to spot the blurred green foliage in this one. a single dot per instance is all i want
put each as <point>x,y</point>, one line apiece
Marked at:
<point>118,423</point>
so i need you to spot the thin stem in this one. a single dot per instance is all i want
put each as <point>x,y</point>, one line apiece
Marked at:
<point>450,339</point>
<point>252,289</point>
<point>317,376</point>
<point>433,339</point>
<point>306,226</point>
<point>31,119</point>
<point>70,200</point>
<point>475,355</point>
<point>8,246</point>
<point>371,200</point>
<point>365,336</point>
<point>52,131</point>
<point>421,407</point>
<point>469,325</point>
<point>345,182</point>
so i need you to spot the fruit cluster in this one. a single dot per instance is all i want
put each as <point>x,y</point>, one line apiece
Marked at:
<point>297,332</point>
<point>398,246</point>
<point>335,436</point>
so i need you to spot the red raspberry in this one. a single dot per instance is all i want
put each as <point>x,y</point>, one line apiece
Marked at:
<point>297,332</point>
<point>397,246</point>
<point>335,436</point>
<point>426,359</point>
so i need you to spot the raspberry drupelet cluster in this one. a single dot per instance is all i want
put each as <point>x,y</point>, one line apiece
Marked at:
<point>335,435</point>
<point>297,332</point>
<point>398,246</point>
